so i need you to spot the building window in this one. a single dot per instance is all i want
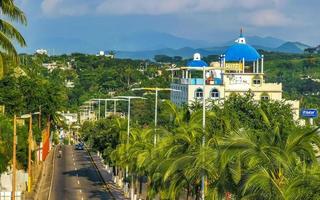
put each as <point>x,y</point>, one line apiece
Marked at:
<point>215,94</point>
<point>265,96</point>
<point>199,93</point>
<point>256,81</point>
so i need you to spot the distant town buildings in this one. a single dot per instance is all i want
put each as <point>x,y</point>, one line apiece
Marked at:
<point>111,54</point>
<point>69,118</point>
<point>239,70</point>
<point>54,65</point>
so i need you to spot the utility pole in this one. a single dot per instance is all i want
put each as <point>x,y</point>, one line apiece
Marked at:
<point>203,127</point>
<point>128,98</point>
<point>29,154</point>
<point>13,194</point>
<point>39,126</point>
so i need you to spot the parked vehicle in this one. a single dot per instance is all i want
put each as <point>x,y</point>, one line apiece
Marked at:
<point>79,146</point>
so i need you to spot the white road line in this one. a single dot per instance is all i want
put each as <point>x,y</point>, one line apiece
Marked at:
<point>74,164</point>
<point>81,198</point>
<point>78,182</point>
<point>80,191</point>
<point>75,169</point>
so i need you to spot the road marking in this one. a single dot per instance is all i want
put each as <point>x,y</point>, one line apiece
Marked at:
<point>75,169</point>
<point>78,182</point>
<point>81,198</point>
<point>74,164</point>
<point>80,191</point>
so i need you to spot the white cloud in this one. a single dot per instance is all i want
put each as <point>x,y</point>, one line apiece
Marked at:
<point>268,18</point>
<point>158,7</point>
<point>64,7</point>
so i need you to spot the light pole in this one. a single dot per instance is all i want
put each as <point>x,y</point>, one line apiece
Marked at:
<point>13,194</point>
<point>105,108</point>
<point>203,69</point>
<point>30,137</point>
<point>128,98</point>
<point>14,159</point>
<point>203,125</point>
<point>156,89</point>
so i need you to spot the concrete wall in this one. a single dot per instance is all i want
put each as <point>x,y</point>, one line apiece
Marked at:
<point>6,181</point>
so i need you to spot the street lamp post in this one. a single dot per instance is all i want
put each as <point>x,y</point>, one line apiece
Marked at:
<point>156,89</point>
<point>105,108</point>
<point>128,98</point>
<point>203,126</point>
<point>30,137</point>
<point>203,69</point>
<point>14,159</point>
<point>13,194</point>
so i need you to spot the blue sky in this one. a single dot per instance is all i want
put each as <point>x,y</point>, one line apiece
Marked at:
<point>214,21</point>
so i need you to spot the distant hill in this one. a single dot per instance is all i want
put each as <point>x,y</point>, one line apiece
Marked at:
<point>292,47</point>
<point>187,52</point>
<point>147,44</point>
<point>133,41</point>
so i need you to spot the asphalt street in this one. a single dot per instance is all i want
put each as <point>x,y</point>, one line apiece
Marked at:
<point>75,178</point>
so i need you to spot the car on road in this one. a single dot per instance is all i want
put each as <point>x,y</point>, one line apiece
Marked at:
<point>79,146</point>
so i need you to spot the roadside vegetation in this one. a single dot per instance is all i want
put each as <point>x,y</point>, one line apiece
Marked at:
<point>251,151</point>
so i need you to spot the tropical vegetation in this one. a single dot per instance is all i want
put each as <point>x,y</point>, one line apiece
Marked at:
<point>9,34</point>
<point>251,151</point>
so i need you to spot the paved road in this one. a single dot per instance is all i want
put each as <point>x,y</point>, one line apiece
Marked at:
<point>75,178</point>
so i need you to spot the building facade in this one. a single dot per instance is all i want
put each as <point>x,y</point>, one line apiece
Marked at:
<point>239,70</point>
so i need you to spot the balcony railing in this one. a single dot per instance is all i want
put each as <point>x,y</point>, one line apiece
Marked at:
<point>198,81</point>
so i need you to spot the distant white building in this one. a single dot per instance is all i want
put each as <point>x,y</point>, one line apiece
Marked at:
<point>50,66</point>
<point>69,84</point>
<point>69,118</point>
<point>42,52</point>
<point>103,53</point>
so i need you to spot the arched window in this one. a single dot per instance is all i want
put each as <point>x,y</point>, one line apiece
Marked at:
<point>265,96</point>
<point>215,93</point>
<point>256,80</point>
<point>198,93</point>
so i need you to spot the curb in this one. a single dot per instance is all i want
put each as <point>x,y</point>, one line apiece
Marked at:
<point>53,165</point>
<point>99,173</point>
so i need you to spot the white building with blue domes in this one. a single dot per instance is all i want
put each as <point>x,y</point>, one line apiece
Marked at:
<point>239,70</point>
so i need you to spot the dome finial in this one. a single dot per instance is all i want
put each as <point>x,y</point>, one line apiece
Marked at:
<point>241,39</point>
<point>241,32</point>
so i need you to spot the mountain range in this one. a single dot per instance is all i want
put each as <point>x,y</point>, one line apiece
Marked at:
<point>147,44</point>
<point>187,52</point>
<point>189,47</point>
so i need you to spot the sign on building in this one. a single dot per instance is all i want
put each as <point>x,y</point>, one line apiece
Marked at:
<point>309,113</point>
<point>233,67</point>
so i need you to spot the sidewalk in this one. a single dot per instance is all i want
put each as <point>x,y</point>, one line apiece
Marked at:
<point>116,192</point>
<point>45,182</point>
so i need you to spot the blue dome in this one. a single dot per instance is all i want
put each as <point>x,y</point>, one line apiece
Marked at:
<point>197,63</point>
<point>239,51</point>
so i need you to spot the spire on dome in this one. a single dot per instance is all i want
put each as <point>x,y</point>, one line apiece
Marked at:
<point>241,39</point>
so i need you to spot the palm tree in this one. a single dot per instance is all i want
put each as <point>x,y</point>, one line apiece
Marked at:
<point>9,34</point>
<point>260,163</point>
